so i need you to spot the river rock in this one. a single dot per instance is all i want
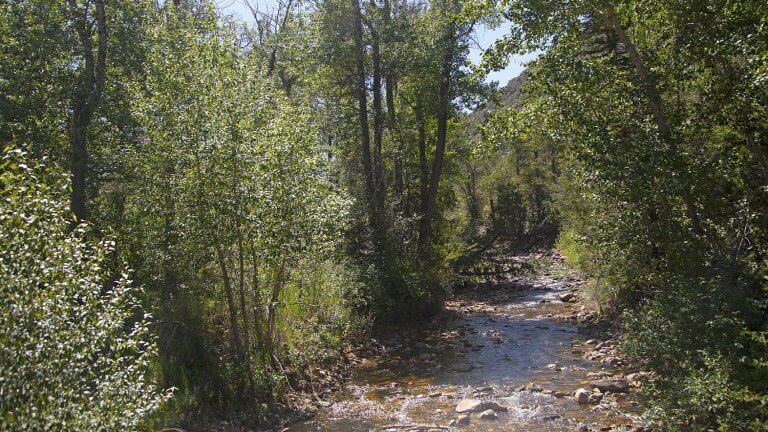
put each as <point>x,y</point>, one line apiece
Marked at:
<point>488,415</point>
<point>469,405</point>
<point>555,366</point>
<point>595,398</point>
<point>568,297</point>
<point>581,396</point>
<point>463,420</point>
<point>611,385</point>
<point>494,406</point>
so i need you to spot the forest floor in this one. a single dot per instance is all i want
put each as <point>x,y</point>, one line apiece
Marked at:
<point>515,352</point>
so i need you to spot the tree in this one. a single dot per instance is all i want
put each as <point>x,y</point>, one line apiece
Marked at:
<point>88,93</point>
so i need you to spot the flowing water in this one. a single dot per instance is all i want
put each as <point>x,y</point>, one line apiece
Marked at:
<point>495,345</point>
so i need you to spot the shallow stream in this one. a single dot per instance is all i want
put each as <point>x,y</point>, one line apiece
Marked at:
<point>511,345</point>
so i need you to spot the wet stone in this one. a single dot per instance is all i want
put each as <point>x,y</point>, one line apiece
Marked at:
<point>486,389</point>
<point>494,406</point>
<point>581,396</point>
<point>488,415</point>
<point>469,405</point>
<point>595,398</point>
<point>611,385</point>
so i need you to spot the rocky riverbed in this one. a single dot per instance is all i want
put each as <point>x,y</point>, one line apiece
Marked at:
<point>520,354</point>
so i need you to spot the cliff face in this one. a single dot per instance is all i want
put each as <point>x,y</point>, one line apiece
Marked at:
<point>509,95</point>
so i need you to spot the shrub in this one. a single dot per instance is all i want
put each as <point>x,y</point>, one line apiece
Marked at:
<point>707,343</point>
<point>75,352</point>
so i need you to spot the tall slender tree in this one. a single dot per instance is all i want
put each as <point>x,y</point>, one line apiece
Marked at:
<point>88,92</point>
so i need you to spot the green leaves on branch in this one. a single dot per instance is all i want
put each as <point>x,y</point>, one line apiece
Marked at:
<point>75,349</point>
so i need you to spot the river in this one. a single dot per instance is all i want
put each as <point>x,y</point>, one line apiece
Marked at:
<point>515,343</point>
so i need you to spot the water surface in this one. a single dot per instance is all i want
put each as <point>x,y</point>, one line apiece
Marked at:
<point>497,345</point>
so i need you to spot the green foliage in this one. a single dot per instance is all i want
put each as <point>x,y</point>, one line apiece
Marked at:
<point>75,348</point>
<point>658,112</point>
<point>709,397</point>
<point>508,215</point>
<point>707,341</point>
<point>242,213</point>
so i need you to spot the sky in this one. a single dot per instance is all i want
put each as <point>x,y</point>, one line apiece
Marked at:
<point>483,36</point>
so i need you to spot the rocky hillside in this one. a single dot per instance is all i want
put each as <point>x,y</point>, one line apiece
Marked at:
<point>509,95</point>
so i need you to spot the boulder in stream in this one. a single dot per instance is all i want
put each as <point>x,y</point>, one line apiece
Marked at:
<point>611,385</point>
<point>462,367</point>
<point>568,297</point>
<point>469,405</point>
<point>494,406</point>
<point>595,398</point>
<point>581,396</point>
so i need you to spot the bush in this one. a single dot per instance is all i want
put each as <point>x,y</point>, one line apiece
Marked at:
<point>709,397</point>
<point>75,352</point>
<point>708,345</point>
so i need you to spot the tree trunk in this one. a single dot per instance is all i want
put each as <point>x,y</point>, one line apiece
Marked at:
<point>423,167</point>
<point>257,312</point>
<point>649,86</point>
<point>86,98</point>
<point>241,287</point>
<point>237,345</point>
<point>378,123</point>
<point>428,205</point>
<point>398,159</point>
<point>390,81</point>
<point>272,309</point>
<point>362,97</point>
